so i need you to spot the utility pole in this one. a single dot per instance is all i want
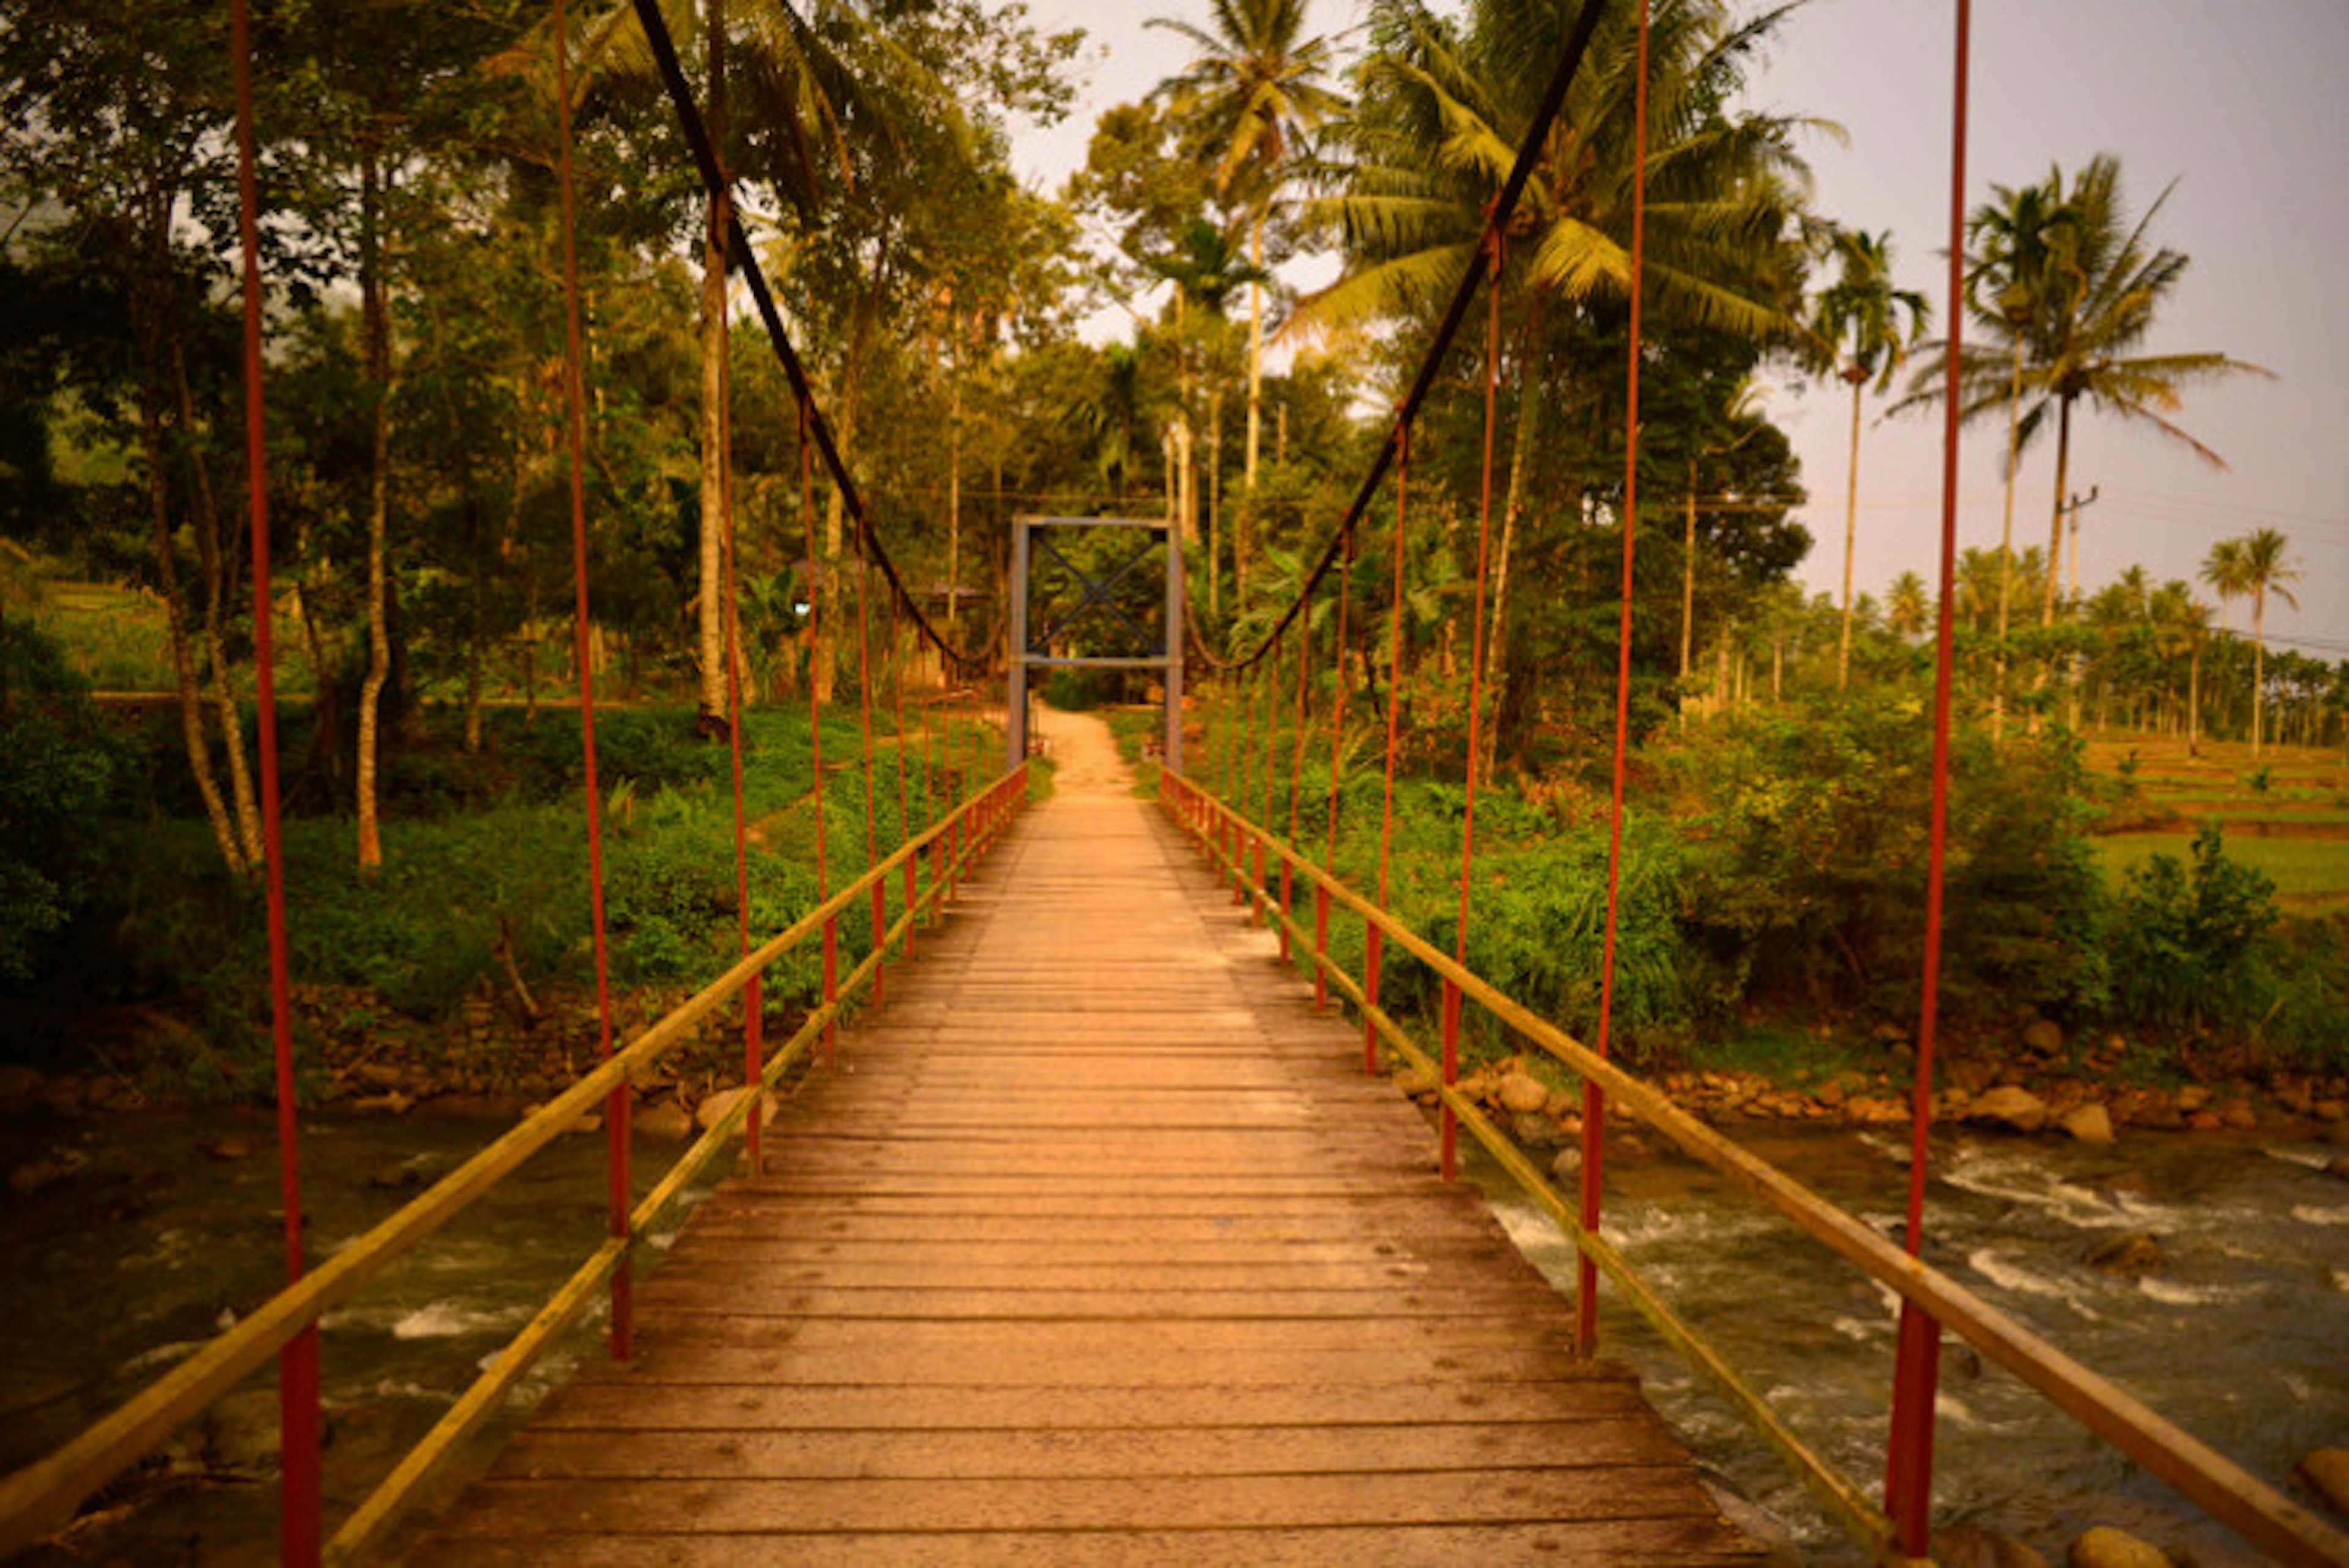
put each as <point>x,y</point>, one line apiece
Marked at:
<point>2077,503</point>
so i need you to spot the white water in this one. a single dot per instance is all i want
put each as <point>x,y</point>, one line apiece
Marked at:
<point>2242,1336</point>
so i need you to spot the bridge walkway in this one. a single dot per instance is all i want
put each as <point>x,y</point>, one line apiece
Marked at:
<point>1098,1246</point>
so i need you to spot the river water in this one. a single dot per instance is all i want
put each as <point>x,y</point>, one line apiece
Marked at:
<point>2242,1336</point>
<point>146,1245</point>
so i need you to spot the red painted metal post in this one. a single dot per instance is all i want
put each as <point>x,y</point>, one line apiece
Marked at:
<point>618,1189</point>
<point>1375,945</point>
<point>299,1518</point>
<point>1594,1098</point>
<point>1337,752</point>
<point>872,828</point>
<point>1449,1153</point>
<point>1320,947</point>
<point>1909,1463</point>
<point>1475,689</point>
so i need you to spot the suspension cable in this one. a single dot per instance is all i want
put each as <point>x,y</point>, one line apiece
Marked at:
<point>299,1521</point>
<point>1336,753</point>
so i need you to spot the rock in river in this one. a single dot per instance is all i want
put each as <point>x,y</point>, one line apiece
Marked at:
<point>2008,1106</point>
<point>2130,1252</point>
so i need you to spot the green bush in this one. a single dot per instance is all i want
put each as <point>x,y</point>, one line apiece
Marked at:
<point>2186,940</point>
<point>56,769</point>
<point>1807,886</point>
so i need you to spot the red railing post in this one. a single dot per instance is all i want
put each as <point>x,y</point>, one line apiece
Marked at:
<point>1373,953</point>
<point>300,1526</point>
<point>1449,1159</point>
<point>1909,1459</point>
<point>831,987</point>
<point>1321,946</point>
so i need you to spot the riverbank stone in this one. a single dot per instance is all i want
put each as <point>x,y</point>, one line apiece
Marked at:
<point>1972,1546</point>
<point>665,1120</point>
<point>2105,1547</point>
<point>2008,1106</point>
<point>1523,1092</point>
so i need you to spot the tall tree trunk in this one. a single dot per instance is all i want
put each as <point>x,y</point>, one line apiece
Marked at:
<point>1256,352</point>
<point>1850,538</point>
<point>1688,579</point>
<point>2259,664</point>
<point>2055,525</point>
<point>1512,502</point>
<point>220,575</point>
<point>2006,545</point>
<point>376,331</point>
<point>709,617</point>
<point>175,616</point>
<point>1215,499</point>
<point>954,500</point>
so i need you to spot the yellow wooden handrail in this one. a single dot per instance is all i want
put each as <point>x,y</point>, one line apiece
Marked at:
<point>42,1496</point>
<point>2225,1490</point>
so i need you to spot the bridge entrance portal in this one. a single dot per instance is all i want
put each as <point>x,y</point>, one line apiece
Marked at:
<point>1084,596</point>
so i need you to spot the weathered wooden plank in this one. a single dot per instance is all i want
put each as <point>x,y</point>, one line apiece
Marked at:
<point>1606,1443</point>
<point>1590,1392</point>
<point>509,1506</point>
<point>1675,1542</point>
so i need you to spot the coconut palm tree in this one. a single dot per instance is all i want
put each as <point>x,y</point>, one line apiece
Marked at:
<point>1908,609</point>
<point>2103,285</point>
<point>2011,238</point>
<point>2181,623</point>
<point>1253,94</point>
<point>1858,336</point>
<point>2253,567</point>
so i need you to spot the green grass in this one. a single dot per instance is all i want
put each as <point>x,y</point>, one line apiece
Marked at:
<point>2310,875</point>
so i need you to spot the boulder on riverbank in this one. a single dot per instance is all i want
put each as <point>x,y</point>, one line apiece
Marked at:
<point>2105,1547</point>
<point>2008,1107</point>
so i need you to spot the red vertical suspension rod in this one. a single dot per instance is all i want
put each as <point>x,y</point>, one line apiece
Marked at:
<point>1594,1099</point>
<point>1374,939</point>
<point>905,802</point>
<point>754,1052</point>
<point>1296,773</point>
<point>615,1108</point>
<point>1450,1149</point>
<point>1337,748</point>
<point>1909,1462</point>
<point>299,1527</point>
<point>871,831</point>
<point>816,731</point>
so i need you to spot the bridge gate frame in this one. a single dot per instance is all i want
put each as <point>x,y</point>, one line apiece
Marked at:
<point>1031,649</point>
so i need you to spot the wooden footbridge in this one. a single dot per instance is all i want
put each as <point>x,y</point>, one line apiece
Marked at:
<point>1099,1246</point>
<point>1097,1243</point>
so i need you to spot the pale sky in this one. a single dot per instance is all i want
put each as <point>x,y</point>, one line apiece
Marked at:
<point>2243,104</point>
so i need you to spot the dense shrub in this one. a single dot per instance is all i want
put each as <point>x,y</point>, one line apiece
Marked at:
<point>1809,879</point>
<point>2187,940</point>
<point>57,768</point>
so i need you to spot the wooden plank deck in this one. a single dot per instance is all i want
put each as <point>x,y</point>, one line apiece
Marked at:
<point>1099,1247</point>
